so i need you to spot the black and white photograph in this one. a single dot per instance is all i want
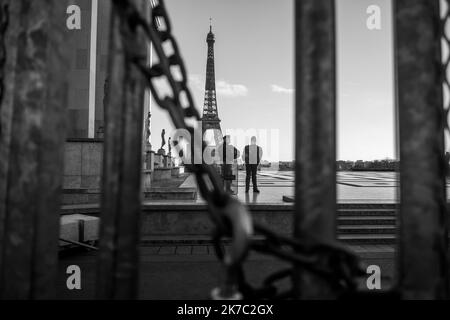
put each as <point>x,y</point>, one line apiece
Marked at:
<point>224,158</point>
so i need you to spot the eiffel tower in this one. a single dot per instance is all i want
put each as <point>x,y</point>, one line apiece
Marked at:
<point>210,118</point>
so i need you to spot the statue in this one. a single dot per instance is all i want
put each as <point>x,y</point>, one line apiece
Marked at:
<point>163,143</point>
<point>170,146</point>
<point>163,138</point>
<point>148,132</point>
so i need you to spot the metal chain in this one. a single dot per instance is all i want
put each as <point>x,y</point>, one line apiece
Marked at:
<point>231,218</point>
<point>445,18</point>
<point>4,22</point>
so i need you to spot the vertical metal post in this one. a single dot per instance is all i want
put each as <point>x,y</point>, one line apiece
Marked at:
<point>315,183</point>
<point>31,149</point>
<point>422,265</point>
<point>92,68</point>
<point>117,275</point>
<point>8,39</point>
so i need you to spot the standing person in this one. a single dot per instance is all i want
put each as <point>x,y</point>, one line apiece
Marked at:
<point>252,157</point>
<point>227,153</point>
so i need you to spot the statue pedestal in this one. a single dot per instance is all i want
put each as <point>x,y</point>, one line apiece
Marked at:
<point>158,161</point>
<point>175,171</point>
<point>162,174</point>
<point>148,167</point>
<point>149,158</point>
<point>147,179</point>
<point>166,161</point>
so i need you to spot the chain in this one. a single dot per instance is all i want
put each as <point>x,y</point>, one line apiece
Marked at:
<point>4,21</point>
<point>231,218</point>
<point>445,17</point>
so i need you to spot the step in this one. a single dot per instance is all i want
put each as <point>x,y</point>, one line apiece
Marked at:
<point>366,229</point>
<point>365,220</point>
<point>171,194</point>
<point>80,196</point>
<point>354,205</point>
<point>184,240</point>
<point>366,212</point>
<point>205,240</point>
<point>367,205</point>
<point>367,238</point>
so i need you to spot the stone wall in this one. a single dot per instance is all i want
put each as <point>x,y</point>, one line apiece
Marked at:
<point>175,221</point>
<point>181,220</point>
<point>83,164</point>
<point>83,161</point>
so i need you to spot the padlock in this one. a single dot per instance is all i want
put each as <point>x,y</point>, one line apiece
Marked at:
<point>229,288</point>
<point>226,294</point>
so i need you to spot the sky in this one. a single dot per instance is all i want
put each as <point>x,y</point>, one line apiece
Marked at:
<point>365,81</point>
<point>254,63</point>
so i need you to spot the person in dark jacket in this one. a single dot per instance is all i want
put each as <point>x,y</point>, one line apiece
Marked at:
<point>252,157</point>
<point>227,153</point>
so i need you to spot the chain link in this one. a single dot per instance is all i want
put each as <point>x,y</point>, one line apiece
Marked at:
<point>445,45</point>
<point>334,263</point>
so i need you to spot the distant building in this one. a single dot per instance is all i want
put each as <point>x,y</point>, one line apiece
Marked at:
<point>88,39</point>
<point>376,165</point>
<point>265,164</point>
<point>342,165</point>
<point>87,24</point>
<point>286,165</point>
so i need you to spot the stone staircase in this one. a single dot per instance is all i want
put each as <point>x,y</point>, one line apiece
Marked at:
<point>367,224</point>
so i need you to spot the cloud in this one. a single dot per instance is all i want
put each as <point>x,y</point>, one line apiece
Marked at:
<point>223,88</point>
<point>280,89</point>
<point>226,89</point>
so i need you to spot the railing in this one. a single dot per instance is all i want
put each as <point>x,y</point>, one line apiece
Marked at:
<point>31,148</point>
<point>32,140</point>
<point>315,183</point>
<point>423,237</point>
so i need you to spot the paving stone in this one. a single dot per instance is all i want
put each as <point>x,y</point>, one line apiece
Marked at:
<point>184,250</point>
<point>200,250</point>
<point>385,248</point>
<point>150,250</point>
<point>356,248</point>
<point>167,250</point>
<point>211,250</point>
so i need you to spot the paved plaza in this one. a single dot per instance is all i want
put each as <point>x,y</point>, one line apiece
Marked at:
<point>192,271</point>
<point>352,187</point>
